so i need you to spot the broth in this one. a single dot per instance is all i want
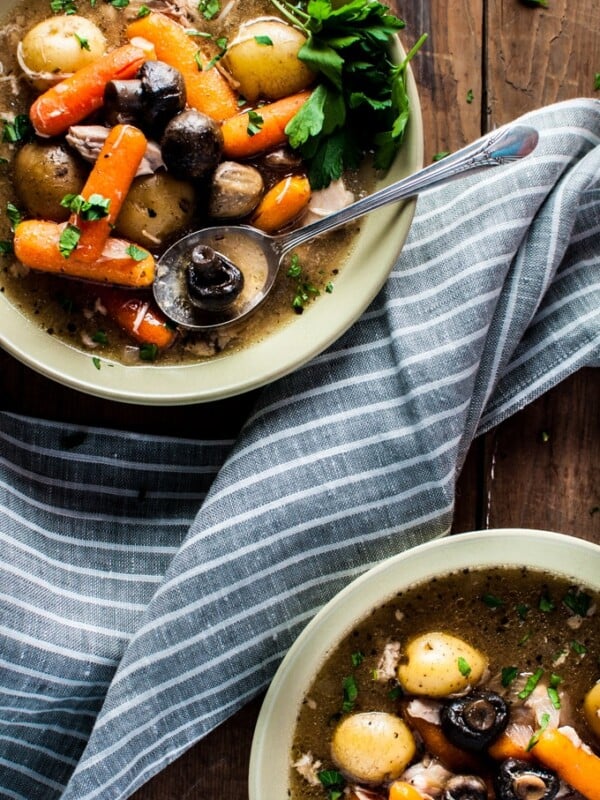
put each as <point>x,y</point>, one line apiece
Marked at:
<point>68,309</point>
<point>515,617</point>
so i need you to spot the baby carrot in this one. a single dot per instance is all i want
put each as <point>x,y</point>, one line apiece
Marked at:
<point>506,745</point>
<point>138,317</point>
<point>110,178</point>
<point>401,790</point>
<point>207,90</point>
<point>577,766</point>
<point>261,129</point>
<point>37,245</point>
<point>438,745</point>
<point>77,96</point>
<point>282,204</point>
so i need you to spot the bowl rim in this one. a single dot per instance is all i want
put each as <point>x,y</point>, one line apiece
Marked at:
<point>382,236</point>
<point>271,744</point>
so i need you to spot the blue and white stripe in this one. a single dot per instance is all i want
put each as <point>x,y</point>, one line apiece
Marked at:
<point>144,603</point>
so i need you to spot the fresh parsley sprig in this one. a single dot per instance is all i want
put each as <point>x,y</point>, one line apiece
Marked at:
<point>349,49</point>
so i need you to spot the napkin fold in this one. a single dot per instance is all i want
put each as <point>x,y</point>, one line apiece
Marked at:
<point>150,585</point>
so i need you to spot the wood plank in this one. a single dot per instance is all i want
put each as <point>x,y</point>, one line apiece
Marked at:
<point>538,56</point>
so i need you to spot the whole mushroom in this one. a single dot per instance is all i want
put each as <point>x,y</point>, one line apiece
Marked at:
<point>191,145</point>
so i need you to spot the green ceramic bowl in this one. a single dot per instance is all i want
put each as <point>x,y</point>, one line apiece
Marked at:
<point>271,748</point>
<point>381,239</point>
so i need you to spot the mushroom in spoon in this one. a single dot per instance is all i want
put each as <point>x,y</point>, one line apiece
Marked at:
<point>258,256</point>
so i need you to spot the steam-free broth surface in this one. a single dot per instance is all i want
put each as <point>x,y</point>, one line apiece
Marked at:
<point>518,618</point>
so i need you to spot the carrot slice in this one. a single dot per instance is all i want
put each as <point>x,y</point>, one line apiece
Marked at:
<point>282,204</point>
<point>506,746</point>
<point>207,89</point>
<point>578,767</point>
<point>111,177</point>
<point>438,745</point>
<point>36,245</point>
<point>401,790</point>
<point>245,135</point>
<point>138,317</point>
<point>82,93</point>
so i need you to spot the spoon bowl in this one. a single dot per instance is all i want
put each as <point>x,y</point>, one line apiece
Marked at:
<point>259,255</point>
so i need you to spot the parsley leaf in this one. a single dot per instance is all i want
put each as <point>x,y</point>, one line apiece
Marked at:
<point>209,8</point>
<point>255,123</point>
<point>19,130</point>
<point>68,240</point>
<point>348,46</point>
<point>94,208</point>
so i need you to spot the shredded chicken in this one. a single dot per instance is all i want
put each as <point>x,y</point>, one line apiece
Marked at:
<point>388,663</point>
<point>308,767</point>
<point>429,777</point>
<point>88,141</point>
<point>325,201</point>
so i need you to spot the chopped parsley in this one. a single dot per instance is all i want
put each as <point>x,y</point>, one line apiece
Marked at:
<point>350,693</point>
<point>135,252</point>
<point>440,155</point>
<point>13,214</point>
<point>534,3</point>
<point>6,248</point>
<point>509,674</point>
<point>68,240</point>
<point>357,658</point>
<point>463,666</point>
<point>544,722</point>
<point>94,208</point>
<point>209,8</point>
<point>304,291</point>
<point>546,604</point>
<point>522,610</point>
<point>348,46</point>
<point>530,685</point>
<point>470,96</point>
<point>148,352</point>
<point>83,42</point>
<point>578,602</point>
<point>491,601</point>
<point>100,337</point>
<point>578,647</point>
<point>597,82</point>
<point>96,362</point>
<point>63,7</point>
<point>19,130</point>
<point>264,40</point>
<point>143,11</point>
<point>255,123</point>
<point>333,782</point>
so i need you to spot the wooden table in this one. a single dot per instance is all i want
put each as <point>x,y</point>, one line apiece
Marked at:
<point>485,62</point>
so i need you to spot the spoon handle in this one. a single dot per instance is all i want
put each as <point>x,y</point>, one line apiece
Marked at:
<point>504,145</point>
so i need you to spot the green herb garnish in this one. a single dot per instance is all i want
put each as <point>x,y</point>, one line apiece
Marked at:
<point>96,362</point>
<point>100,337</point>
<point>333,782</point>
<point>522,610</point>
<point>19,130</point>
<point>63,7</point>
<point>13,214</point>
<point>255,123</point>
<point>83,42</point>
<point>357,658</point>
<point>554,697</point>
<point>68,240</point>
<point>463,666</point>
<point>544,722</point>
<point>579,648</point>
<point>6,248</point>
<point>491,601</point>
<point>535,3</point>
<point>148,352</point>
<point>578,602</point>
<point>546,604</point>
<point>91,210</point>
<point>597,82</point>
<point>440,155</point>
<point>135,252</point>
<point>530,685</point>
<point>305,291</point>
<point>209,8</point>
<point>350,691</point>
<point>508,675</point>
<point>143,11</point>
<point>264,40</point>
<point>470,96</point>
<point>348,47</point>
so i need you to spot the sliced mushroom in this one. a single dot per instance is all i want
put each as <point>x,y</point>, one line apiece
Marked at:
<point>213,281</point>
<point>192,145</point>
<point>475,720</point>
<point>235,190</point>
<point>520,780</point>
<point>465,787</point>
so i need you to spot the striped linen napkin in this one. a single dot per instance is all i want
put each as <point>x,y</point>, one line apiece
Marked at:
<point>150,586</point>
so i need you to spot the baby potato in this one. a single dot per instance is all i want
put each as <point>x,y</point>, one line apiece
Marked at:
<point>439,664</point>
<point>44,173</point>
<point>372,747</point>
<point>591,708</point>
<point>62,44</point>
<point>156,207</point>
<point>263,59</point>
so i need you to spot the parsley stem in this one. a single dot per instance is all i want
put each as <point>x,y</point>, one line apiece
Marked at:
<point>413,50</point>
<point>292,17</point>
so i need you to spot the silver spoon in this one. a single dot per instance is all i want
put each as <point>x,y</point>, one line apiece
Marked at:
<point>259,255</point>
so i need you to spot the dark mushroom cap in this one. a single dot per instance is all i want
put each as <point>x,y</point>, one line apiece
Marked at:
<point>163,95</point>
<point>465,787</point>
<point>521,780</point>
<point>474,720</point>
<point>213,282</point>
<point>192,145</point>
